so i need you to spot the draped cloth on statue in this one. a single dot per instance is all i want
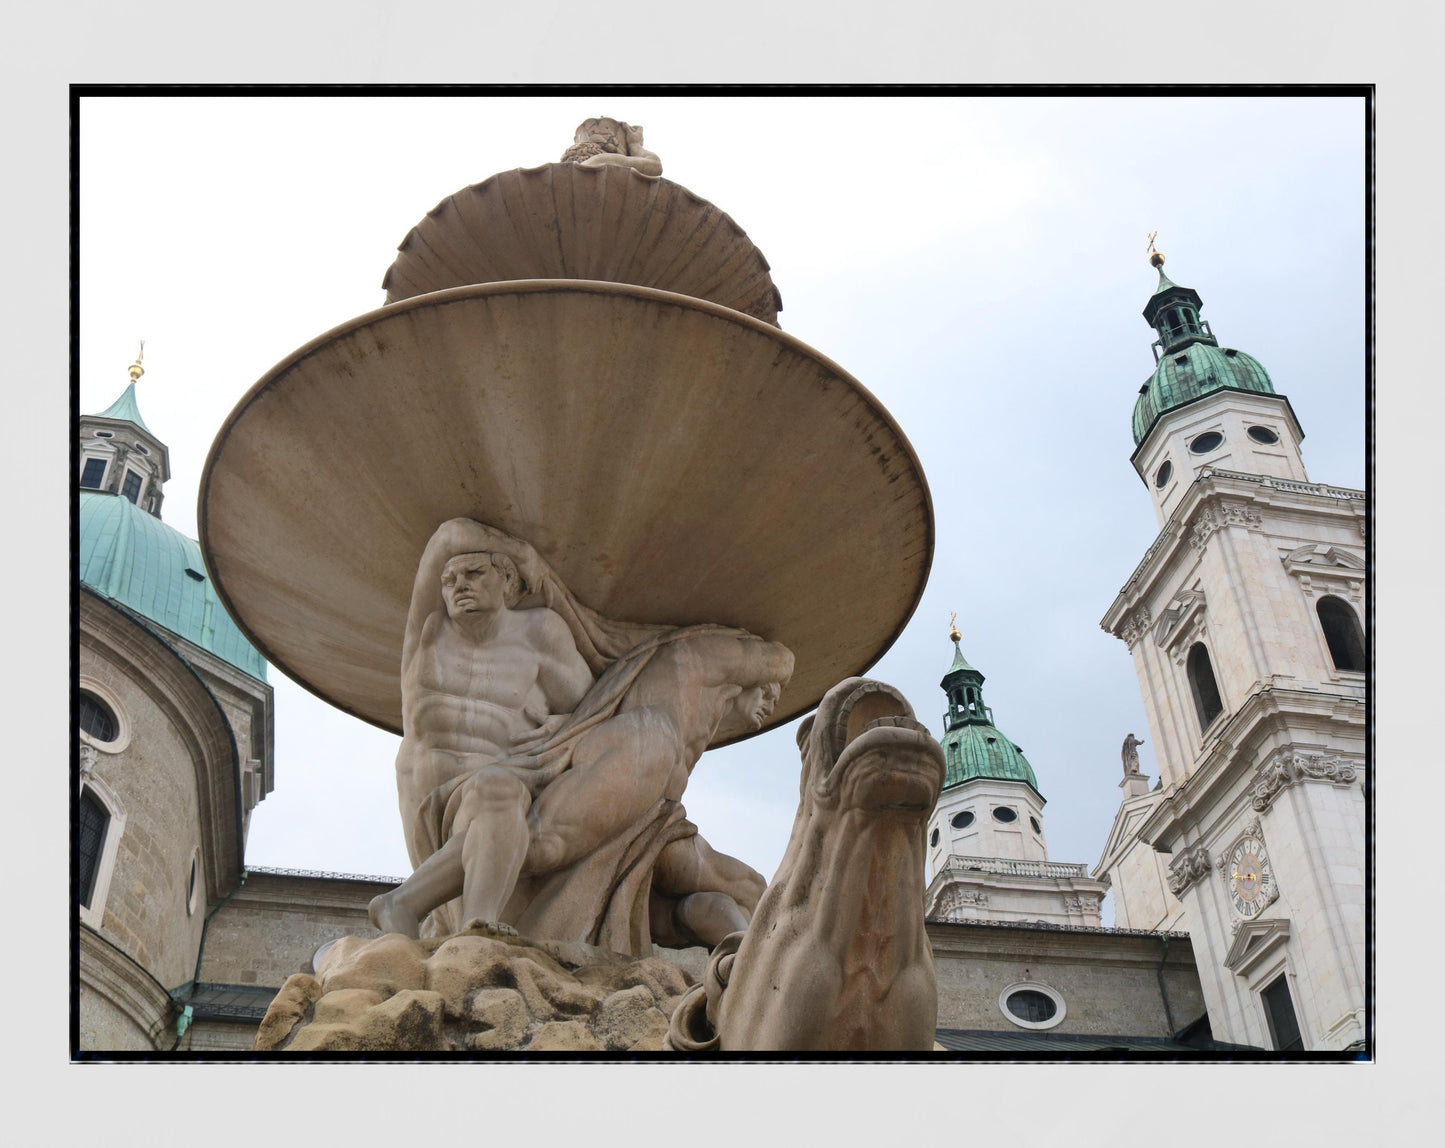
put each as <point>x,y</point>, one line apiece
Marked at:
<point>603,898</point>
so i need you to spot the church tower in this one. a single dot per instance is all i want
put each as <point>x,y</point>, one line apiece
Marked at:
<point>119,454</point>
<point>1245,623</point>
<point>986,845</point>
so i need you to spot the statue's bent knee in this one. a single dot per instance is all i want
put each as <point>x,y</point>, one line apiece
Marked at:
<point>490,792</point>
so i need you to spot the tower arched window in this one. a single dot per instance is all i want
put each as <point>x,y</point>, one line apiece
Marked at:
<point>1342,633</point>
<point>1207,702</point>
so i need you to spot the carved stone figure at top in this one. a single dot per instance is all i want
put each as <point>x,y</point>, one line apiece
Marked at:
<point>605,142</point>
<point>546,749</point>
<point>1130,754</point>
<point>836,957</point>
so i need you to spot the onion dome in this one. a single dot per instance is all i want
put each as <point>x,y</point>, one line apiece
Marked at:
<point>973,747</point>
<point>137,562</point>
<point>1190,361</point>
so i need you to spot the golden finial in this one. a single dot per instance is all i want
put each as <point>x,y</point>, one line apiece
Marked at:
<point>953,634</point>
<point>1156,257</point>
<point>136,370</point>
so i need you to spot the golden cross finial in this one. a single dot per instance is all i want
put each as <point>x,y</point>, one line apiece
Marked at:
<point>136,370</point>
<point>953,633</point>
<point>1156,257</point>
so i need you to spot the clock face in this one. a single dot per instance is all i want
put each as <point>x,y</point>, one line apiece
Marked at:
<point>1251,883</point>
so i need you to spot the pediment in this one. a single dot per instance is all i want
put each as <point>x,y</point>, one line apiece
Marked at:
<point>1253,941</point>
<point>1178,617</point>
<point>1314,555</point>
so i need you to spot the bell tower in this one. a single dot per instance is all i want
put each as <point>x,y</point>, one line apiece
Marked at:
<point>1245,623</point>
<point>119,454</point>
<point>986,845</point>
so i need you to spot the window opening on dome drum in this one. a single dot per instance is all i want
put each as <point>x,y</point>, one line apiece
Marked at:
<point>142,448</point>
<point>1263,435</point>
<point>1206,442</point>
<point>89,840</point>
<point>131,487</point>
<point>1005,814</point>
<point>104,434</point>
<point>1342,633</point>
<point>1161,476</point>
<point>97,718</point>
<point>93,474</point>
<point>1207,702</point>
<point>1034,821</point>
<point>962,820</point>
<point>933,837</point>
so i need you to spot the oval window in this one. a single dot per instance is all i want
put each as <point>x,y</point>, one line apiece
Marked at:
<point>933,837</point>
<point>1034,821</point>
<point>1032,1006</point>
<point>97,718</point>
<point>1005,814</point>
<point>1264,435</point>
<point>104,434</point>
<point>1161,476</point>
<point>962,820</point>
<point>142,448</point>
<point>1206,442</point>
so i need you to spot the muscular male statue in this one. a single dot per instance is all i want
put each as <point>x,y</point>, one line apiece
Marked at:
<point>516,762</point>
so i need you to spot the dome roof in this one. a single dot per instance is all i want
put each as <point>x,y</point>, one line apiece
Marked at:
<point>978,749</point>
<point>1190,373</point>
<point>136,560</point>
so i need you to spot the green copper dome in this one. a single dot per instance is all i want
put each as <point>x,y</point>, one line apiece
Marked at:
<point>1191,363</point>
<point>137,561</point>
<point>973,747</point>
<point>1197,370</point>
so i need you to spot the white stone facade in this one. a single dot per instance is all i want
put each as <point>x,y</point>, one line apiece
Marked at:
<point>1239,569</point>
<point>991,868</point>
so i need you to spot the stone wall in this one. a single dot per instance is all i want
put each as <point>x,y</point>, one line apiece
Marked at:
<point>276,921</point>
<point>1108,979</point>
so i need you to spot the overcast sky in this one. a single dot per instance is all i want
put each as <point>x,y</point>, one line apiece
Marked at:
<point>978,264</point>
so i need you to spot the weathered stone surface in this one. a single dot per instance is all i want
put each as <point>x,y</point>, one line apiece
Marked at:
<point>292,1003</point>
<point>486,989</point>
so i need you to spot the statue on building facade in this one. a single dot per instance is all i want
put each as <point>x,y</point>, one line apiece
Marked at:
<point>546,749</point>
<point>1130,754</point>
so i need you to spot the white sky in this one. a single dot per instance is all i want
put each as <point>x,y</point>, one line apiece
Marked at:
<point>981,268</point>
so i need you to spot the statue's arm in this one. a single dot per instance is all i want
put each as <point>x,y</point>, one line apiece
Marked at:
<point>638,157</point>
<point>563,674</point>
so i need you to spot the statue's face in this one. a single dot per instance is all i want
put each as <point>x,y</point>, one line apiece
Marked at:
<point>471,583</point>
<point>755,705</point>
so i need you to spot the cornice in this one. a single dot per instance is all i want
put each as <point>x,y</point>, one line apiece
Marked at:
<point>1215,499</point>
<point>132,989</point>
<point>1266,710</point>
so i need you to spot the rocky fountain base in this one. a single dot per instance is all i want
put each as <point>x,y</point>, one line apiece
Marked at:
<point>483,989</point>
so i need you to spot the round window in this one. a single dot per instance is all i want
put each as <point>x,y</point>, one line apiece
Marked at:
<point>1206,442</point>
<point>1031,1005</point>
<point>962,820</point>
<point>1034,821</point>
<point>1005,814</point>
<point>1161,476</point>
<point>97,718</point>
<point>1264,435</point>
<point>933,837</point>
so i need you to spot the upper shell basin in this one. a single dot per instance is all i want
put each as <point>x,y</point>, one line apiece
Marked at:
<point>566,221</point>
